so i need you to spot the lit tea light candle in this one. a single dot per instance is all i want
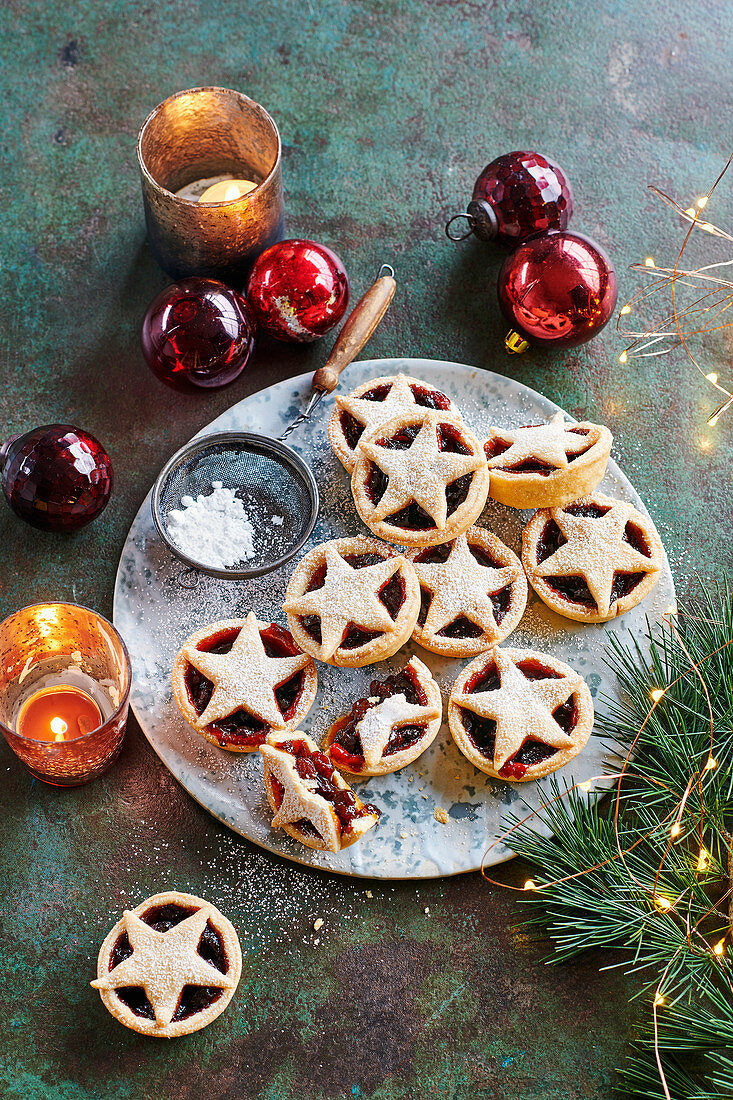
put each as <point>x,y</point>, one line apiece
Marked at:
<point>64,691</point>
<point>59,714</point>
<point>227,190</point>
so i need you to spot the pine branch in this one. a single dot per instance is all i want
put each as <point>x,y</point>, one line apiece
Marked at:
<point>618,872</point>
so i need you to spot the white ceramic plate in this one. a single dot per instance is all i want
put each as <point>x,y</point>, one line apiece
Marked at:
<point>155,614</point>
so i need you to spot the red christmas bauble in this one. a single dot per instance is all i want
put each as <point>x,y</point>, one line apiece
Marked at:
<point>557,290</point>
<point>298,290</point>
<point>197,335</point>
<point>516,195</point>
<point>58,477</point>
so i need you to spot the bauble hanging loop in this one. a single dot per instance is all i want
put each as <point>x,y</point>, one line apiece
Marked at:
<point>515,196</point>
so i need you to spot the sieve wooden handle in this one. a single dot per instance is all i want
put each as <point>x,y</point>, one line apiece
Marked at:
<point>360,326</point>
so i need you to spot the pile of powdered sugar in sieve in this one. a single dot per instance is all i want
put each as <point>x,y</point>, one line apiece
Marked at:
<point>214,529</point>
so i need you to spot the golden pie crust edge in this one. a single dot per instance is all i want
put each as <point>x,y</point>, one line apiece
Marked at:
<point>471,647</point>
<point>569,610</point>
<point>378,649</point>
<point>360,826</point>
<point>458,522</point>
<point>583,728</point>
<point>336,436</point>
<point>189,712</point>
<point>173,1030</point>
<point>410,754</point>
<point>525,489</point>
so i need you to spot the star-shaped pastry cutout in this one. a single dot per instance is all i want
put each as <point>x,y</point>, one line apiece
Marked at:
<point>420,472</point>
<point>348,595</point>
<point>162,963</point>
<point>461,586</point>
<point>521,708</point>
<point>245,678</point>
<point>375,727</point>
<point>550,443</point>
<point>596,550</point>
<point>300,801</point>
<point>371,414</point>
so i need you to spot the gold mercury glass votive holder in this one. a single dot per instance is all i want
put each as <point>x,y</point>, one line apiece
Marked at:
<point>52,645</point>
<point>190,141</point>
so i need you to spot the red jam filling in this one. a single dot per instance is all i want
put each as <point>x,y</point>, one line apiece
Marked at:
<point>430,399</point>
<point>350,426</point>
<point>194,998</point>
<point>344,743</point>
<point>392,595</point>
<point>496,446</point>
<point>317,766</point>
<point>242,728</point>
<point>482,731</point>
<point>426,398</point>
<point>575,589</point>
<point>463,627</point>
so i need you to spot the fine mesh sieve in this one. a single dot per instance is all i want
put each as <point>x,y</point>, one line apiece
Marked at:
<point>269,477</point>
<point>272,481</point>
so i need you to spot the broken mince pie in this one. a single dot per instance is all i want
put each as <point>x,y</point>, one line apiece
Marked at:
<point>309,799</point>
<point>170,966</point>
<point>375,402</point>
<point>519,715</point>
<point>237,680</point>
<point>392,727</point>
<point>352,601</point>
<point>543,465</point>
<point>421,479</point>
<point>593,559</point>
<point>473,593</point>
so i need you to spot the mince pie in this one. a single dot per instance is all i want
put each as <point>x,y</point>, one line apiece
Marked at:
<point>420,479</point>
<point>392,727</point>
<point>473,593</point>
<point>237,680</point>
<point>519,715</point>
<point>543,465</point>
<point>309,799</point>
<point>352,601</point>
<point>170,966</point>
<point>593,559</point>
<point>375,402</point>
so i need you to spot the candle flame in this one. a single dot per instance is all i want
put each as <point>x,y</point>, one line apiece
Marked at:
<point>59,727</point>
<point>232,192</point>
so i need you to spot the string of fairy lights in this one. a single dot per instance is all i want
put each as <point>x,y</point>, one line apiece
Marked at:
<point>674,906</point>
<point>712,285</point>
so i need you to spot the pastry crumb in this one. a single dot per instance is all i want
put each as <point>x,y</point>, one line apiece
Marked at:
<point>404,835</point>
<point>427,910</point>
<point>440,815</point>
<point>316,941</point>
<point>369,894</point>
<point>318,924</point>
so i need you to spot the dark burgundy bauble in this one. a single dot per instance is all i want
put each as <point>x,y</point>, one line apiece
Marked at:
<point>298,290</point>
<point>557,290</point>
<point>58,478</point>
<point>517,195</point>
<point>198,335</point>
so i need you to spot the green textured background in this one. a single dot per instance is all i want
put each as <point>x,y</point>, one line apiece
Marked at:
<point>387,113</point>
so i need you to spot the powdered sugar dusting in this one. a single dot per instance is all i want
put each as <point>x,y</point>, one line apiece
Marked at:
<point>213,529</point>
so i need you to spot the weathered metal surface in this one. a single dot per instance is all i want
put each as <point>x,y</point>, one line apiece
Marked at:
<point>388,111</point>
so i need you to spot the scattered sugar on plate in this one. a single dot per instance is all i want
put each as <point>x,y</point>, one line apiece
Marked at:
<point>214,529</point>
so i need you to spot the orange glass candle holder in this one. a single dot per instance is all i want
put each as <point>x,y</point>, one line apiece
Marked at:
<point>189,142</point>
<point>63,668</point>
